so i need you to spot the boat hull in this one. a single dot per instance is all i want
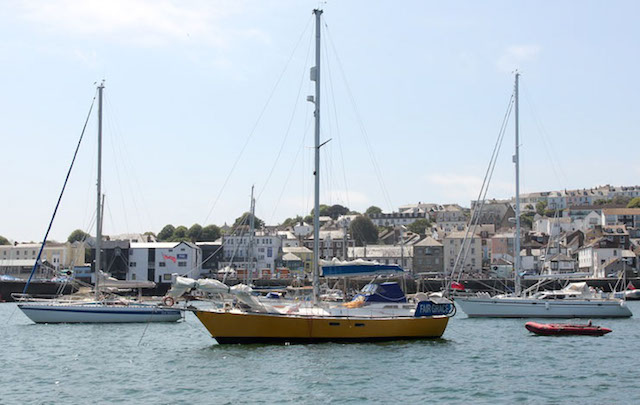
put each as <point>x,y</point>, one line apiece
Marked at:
<point>228,327</point>
<point>480,307</point>
<point>95,313</point>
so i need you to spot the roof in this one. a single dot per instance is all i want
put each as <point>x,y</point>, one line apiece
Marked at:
<point>290,257</point>
<point>621,211</point>
<point>160,245</point>
<point>296,249</point>
<point>428,241</point>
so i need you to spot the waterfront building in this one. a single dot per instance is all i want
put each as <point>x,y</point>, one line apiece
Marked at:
<point>428,256</point>
<point>333,243</point>
<point>18,259</point>
<point>303,253</point>
<point>502,247</point>
<point>452,244</point>
<point>552,226</point>
<point>212,255</point>
<point>257,255</point>
<point>158,261</point>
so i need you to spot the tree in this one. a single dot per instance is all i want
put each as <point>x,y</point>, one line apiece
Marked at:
<point>292,221</point>
<point>194,232</point>
<point>363,230</point>
<point>634,203</point>
<point>419,226</point>
<point>4,241</point>
<point>77,236</point>
<point>373,210</point>
<point>180,234</point>
<point>540,207</point>
<point>324,210</point>
<point>621,200</point>
<point>526,220</point>
<point>210,233</point>
<point>245,219</point>
<point>336,210</point>
<point>166,233</point>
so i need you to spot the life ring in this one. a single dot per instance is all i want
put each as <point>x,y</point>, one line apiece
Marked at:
<point>168,301</point>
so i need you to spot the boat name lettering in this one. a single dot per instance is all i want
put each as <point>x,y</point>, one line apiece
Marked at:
<point>428,308</point>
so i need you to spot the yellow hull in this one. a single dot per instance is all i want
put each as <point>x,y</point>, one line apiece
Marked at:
<point>228,327</point>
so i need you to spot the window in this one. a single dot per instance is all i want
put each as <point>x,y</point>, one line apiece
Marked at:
<point>133,276</point>
<point>132,264</point>
<point>182,264</point>
<point>162,264</point>
<point>166,277</point>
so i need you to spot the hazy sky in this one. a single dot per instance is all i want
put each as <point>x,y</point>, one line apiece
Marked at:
<point>413,96</point>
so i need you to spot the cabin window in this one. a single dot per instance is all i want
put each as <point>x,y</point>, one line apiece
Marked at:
<point>132,264</point>
<point>162,264</point>
<point>182,264</point>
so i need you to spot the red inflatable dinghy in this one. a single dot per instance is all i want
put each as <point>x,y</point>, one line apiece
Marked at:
<point>566,329</point>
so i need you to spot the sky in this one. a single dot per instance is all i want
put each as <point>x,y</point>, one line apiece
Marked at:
<point>205,99</point>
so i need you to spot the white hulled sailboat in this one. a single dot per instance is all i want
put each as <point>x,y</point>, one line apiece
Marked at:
<point>577,300</point>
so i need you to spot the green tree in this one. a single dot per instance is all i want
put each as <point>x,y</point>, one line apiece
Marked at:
<point>324,210</point>
<point>309,219</point>
<point>634,203</point>
<point>245,219</point>
<point>210,233</point>
<point>292,221</point>
<point>166,233</point>
<point>526,219</point>
<point>373,210</point>
<point>194,232</point>
<point>4,241</point>
<point>419,226</point>
<point>621,200</point>
<point>77,236</point>
<point>336,210</point>
<point>540,207</point>
<point>180,234</point>
<point>363,230</point>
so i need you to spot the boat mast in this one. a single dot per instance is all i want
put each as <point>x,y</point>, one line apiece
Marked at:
<point>315,76</point>
<point>252,227</point>
<point>516,160</point>
<point>99,195</point>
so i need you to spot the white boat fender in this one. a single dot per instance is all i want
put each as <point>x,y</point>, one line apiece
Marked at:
<point>168,301</point>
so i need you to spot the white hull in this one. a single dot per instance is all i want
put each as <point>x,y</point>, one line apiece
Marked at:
<point>98,313</point>
<point>512,307</point>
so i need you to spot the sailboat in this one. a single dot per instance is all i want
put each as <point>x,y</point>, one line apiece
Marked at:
<point>576,300</point>
<point>380,312</point>
<point>99,310</point>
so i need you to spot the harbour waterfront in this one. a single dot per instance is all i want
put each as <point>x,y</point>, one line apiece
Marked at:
<point>477,361</point>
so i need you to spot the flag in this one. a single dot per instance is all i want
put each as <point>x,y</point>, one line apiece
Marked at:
<point>457,286</point>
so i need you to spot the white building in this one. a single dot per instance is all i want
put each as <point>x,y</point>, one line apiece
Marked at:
<point>553,226</point>
<point>260,259</point>
<point>13,258</point>
<point>452,244</point>
<point>593,259</point>
<point>157,261</point>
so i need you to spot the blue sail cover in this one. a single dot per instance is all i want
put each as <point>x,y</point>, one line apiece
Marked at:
<point>351,270</point>
<point>383,292</point>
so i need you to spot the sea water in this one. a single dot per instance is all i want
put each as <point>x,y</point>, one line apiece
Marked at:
<point>477,361</point>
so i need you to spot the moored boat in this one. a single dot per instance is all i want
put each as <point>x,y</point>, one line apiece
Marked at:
<point>556,329</point>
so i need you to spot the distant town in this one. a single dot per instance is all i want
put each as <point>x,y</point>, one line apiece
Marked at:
<point>590,233</point>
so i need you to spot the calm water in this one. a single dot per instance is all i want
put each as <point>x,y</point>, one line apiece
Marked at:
<point>478,361</point>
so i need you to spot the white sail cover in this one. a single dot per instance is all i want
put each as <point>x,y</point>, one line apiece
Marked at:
<point>243,292</point>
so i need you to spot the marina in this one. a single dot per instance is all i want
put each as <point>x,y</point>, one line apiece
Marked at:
<point>379,260</point>
<point>483,361</point>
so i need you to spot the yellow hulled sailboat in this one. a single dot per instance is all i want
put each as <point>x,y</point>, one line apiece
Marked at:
<point>380,312</point>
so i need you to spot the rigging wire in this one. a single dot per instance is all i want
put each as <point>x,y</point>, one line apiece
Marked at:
<point>255,125</point>
<point>483,190</point>
<point>363,130</point>
<point>64,186</point>
<point>290,124</point>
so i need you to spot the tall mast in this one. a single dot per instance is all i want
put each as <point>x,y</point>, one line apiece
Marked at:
<point>315,76</point>
<point>516,160</point>
<point>252,227</point>
<point>99,195</point>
